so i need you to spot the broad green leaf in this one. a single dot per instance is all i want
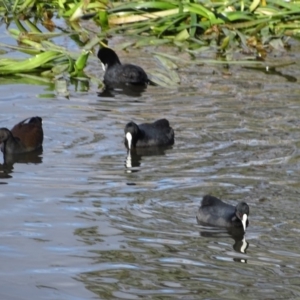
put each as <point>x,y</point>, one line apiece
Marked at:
<point>249,24</point>
<point>116,19</point>
<point>202,11</point>
<point>225,43</point>
<point>288,5</point>
<point>162,80</point>
<point>161,5</point>
<point>103,18</point>
<point>30,63</point>
<point>22,49</point>
<point>277,44</point>
<point>174,76</point>
<point>25,5</point>
<point>267,11</point>
<point>19,25</point>
<point>254,5</point>
<point>61,87</point>
<point>33,79</point>
<point>92,43</point>
<point>193,24</point>
<point>77,13</point>
<point>237,16</point>
<point>182,36</point>
<point>60,68</point>
<point>32,26</point>
<point>166,62</point>
<point>81,60</point>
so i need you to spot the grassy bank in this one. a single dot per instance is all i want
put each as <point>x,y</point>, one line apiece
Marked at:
<point>252,27</point>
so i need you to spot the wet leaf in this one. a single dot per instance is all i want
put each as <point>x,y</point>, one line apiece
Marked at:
<point>167,63</point>
<point>131,18</point>
<point>237,16</point>
<point>182,36</point>
<point>277,44</point>
<point>81,60</point>
<point>61,87</point>
<point>225,43</point>
<point>161,5</point>
<point>60,68</point>
<point>29,64</point>
<point>33,79</point>
<point>174,76</point>
<point>77,13</point>
<point>25,5</point>
<point>162,80</point>
<point>202,11</point>
<point>193,26</point>
<point>254,5</point>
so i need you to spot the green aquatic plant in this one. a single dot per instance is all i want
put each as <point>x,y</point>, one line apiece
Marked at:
<point>46,58</point>
<point>253,27</point>
<point>190,24</point>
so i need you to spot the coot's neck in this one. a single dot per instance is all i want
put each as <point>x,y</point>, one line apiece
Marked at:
<point>11,145</point>
<point>113,62</point>
<point>138,135</point>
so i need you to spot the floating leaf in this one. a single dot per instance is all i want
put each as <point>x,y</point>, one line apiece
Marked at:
<point>277,44</point>
<point>182,36</point>
<point>131,18</point>
<point>167,63</point>
<point>30,63</point>
<point>61,87</point>
<point>60,68</point>
<point>225,43</point>
<point>174,76</point>
<point>162,80</point>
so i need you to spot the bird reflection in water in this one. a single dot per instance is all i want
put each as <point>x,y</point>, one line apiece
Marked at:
<point>134,157</point>
<point>237,234</point>
<point>6,169</point>
<point>123,89</point>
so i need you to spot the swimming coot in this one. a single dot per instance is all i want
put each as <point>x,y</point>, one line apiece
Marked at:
<point>215,212</point>
<point>158,133</point>
<point>24,137</point>
<point>116,73</point>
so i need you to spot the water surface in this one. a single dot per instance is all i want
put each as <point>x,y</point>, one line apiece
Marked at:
<point>78,224</point>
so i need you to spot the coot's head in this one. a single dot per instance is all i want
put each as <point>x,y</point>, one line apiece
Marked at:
<point>132,132</point>
<point>108,57</point>
<point>242,212</point>
<point>4,134</point>
<point>35,120</point>
<point>28,135</point>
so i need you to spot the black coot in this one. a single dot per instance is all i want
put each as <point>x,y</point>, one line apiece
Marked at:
<point>25,136</point>
<point>116,73</point>
<point>156,134</point>
<point>215,212</point>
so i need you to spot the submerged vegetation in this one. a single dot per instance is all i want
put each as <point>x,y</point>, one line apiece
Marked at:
<point>251,26</point>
